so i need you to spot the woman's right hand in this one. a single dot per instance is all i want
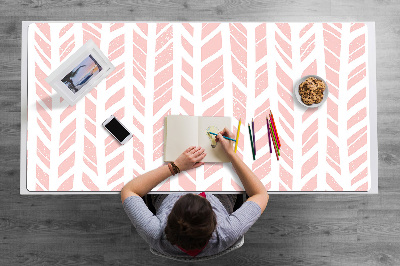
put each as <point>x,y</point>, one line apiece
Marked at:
<point>225,143</point>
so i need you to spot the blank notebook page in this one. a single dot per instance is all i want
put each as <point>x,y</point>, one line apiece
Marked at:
<point>180,133</point>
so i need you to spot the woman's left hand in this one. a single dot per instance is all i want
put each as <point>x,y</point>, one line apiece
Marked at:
<point>190,158</point>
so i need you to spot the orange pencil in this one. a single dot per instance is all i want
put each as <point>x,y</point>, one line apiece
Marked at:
<point>276,131</point>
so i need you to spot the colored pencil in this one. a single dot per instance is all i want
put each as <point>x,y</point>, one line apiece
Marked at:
<point>251,141</point>
<point>276,132</point>
<point>269,136</point>
<point>222,136</point>
<point>254,136</point>
<point>237,135</point>
<point>275,147</point>
<point>275,143</point>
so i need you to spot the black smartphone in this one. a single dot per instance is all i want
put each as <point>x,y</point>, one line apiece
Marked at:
<point>114,126</point>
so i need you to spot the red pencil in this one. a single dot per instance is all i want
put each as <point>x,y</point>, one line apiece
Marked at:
<point>276,131</point>
<point>273,141</point>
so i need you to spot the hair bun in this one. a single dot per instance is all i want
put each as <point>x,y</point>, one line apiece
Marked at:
<point>183,225</point>
<point>191,222</point>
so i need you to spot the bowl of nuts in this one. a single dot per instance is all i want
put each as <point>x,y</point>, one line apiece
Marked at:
<point>311,91</point>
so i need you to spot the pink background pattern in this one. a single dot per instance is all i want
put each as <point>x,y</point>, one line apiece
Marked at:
<point>242,70</point>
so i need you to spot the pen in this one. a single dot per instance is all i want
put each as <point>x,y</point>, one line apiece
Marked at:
<point>222,136</point>
<point>254,136</point>
<point>269,137</point>
<point>251,141</point>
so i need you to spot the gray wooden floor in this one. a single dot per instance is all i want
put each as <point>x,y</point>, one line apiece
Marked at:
<point>295,229</point>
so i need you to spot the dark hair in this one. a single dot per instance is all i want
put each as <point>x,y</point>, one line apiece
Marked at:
<point>191,222</point>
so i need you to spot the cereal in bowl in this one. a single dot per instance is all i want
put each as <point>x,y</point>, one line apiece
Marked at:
<point>311,91</point>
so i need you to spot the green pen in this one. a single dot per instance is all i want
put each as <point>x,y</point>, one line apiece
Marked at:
<point>251,141</point>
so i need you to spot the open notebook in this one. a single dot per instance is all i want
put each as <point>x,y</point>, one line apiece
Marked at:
<point>181,132</point>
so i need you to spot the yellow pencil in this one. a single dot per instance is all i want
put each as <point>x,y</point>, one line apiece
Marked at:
<point>237,135</point>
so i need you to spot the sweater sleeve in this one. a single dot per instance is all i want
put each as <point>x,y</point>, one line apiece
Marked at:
<point>239,222</point>
<point>146,223</point>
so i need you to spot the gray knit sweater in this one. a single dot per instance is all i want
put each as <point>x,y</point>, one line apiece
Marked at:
<point>229,227</point>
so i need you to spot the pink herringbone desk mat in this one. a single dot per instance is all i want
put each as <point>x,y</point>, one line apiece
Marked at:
<point>242,70</point>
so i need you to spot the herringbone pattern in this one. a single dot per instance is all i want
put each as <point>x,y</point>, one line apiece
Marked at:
<point>242,70</point>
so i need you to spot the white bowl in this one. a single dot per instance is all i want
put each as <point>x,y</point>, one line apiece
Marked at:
<point>297,94</point>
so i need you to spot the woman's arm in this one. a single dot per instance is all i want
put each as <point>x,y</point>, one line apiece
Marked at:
<point>253,186</point>
<point>142,184</point>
